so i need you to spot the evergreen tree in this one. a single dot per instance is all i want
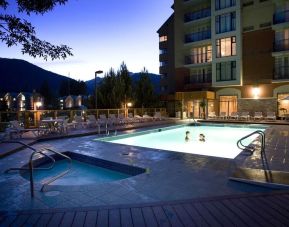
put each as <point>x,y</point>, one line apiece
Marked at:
<point>48,95</point>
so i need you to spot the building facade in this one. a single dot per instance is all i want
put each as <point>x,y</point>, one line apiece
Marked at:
<point>229,56</point>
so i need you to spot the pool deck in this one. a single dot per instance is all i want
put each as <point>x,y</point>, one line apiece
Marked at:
<point>179,189</point>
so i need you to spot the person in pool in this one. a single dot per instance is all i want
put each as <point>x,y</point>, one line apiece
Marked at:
<point>187,138</point>
<point>202,137</point>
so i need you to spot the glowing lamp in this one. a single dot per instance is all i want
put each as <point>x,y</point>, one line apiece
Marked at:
<point>256,92</point>
<point>129,104</point>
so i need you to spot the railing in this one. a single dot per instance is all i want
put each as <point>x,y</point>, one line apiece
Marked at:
<point>199,79</point>
<point>198,36</point>
<point>281,17</point>
<point>31,167</point>
<point>197,15</point>
<point>241,146</point>
<point>281,45</point>
<point>32,118</point>
<point>281,73</point>
<point>198,58</point>
<point>221,4</point>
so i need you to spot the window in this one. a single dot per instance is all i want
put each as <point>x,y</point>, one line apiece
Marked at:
<point>163,63</point>
<point>226,47</point>
<point>163,51</point>
<point>226,71</point>
<point>199,55</point>
<point>226,22</point>
<point>222,4</point>
<point>281,69</point>
<point>163,38</point>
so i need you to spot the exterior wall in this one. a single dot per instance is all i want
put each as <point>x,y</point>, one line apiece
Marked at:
<point>257,105</point>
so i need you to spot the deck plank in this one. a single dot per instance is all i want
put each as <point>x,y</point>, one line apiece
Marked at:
<point>55,220</point>
<point>114,218</point>
<point>67,219</point>
<point>8,220</point>
<point>195,215</point>
<point>32,220</point>
<point>20,220</point>
<point>183,215</point>
<point>172,216</point>
<point>206,214</point>
<point>126,219</point>
<point>137,217</point>
<point>238,213</point>
<point>79,219</point>
<point>102,218</point>
<point>149,217</point>
<point>161,216</point>
<point>43,220</point>
<point>91,218</point>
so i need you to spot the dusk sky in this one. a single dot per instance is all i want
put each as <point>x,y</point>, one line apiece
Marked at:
<point>102,34</point>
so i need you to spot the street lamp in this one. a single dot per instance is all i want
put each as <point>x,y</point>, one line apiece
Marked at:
<point>95,88</point>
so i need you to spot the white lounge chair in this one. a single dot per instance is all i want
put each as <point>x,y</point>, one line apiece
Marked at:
<point>223,115</point>
<point>91,121</point>
<point>244,115</point>
<point>234,115</point>
<point>212,115</point>
<point>147,117</point>
<point>17,129</point>
<point>78,122</point>
<point>271,116</point>
<point>102,120</point>
<point>258,116</point>
<point>157,116</point>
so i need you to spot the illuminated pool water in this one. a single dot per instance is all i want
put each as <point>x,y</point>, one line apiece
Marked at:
<point>219,141</point>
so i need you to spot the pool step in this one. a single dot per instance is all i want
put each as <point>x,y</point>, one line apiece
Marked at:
<point>272,179</point>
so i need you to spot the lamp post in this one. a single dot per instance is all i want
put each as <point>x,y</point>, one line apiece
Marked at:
<point>95,88</point>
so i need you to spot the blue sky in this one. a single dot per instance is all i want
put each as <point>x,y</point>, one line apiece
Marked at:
<point>102,33</point>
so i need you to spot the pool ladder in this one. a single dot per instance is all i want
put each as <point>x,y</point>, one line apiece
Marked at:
<point>31,166</point>
<point>241,146</point>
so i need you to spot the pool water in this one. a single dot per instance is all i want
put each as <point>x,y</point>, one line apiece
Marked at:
<point>80,174</point>
<point>219,141</point>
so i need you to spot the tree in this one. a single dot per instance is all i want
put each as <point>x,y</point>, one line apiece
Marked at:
<point>14,30</point>
<point>125,83</point>
<point>49,98</point>
<point>144,91</point>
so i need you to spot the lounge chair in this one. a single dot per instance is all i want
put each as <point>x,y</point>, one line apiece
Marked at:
<point>63,128</point>
<point>271,116</point>
<point>234,115</point>
<point>147,117</point>
<point>91,121</point>
<point>78,122</point>
<point>244,115</point>
<point>19,130</point>
<point>212,115</point>
<point>223,115</point>
<point>102,120</point>
<point>258,116</point>
<point>157,116</point>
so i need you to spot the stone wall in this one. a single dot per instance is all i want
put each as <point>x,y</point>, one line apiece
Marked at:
<point>257,105</point>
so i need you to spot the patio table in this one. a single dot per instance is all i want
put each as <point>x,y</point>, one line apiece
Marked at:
<point>53,125</point>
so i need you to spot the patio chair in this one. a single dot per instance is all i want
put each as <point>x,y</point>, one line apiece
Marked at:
<point>157,116</point>
<point>234,115</point>
<point>258,116</point>
<point>63,128</point>
<point>147,117</point>
<point>223,115</point>
<point>244,115</point>
<point>78,122</point>
<point>19,130</point>
<point>91,121</point>
<point>102,120</point>
<point>212,115</point>
<point>271,116</point>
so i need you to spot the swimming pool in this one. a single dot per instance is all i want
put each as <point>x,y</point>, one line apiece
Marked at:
<point>219,141</point>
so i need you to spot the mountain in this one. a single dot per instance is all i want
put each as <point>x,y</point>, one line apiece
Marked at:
<point>21,76</point>
<point>155,79</point>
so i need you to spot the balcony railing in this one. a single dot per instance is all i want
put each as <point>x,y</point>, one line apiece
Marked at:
<point>281,17</point>
<point>197,15</point>
<point>198,36</point>
<point>281,45</point>
<point>224,4</point>
<point>281,73</point>
<point>198,58</point>
<point>199,79</point>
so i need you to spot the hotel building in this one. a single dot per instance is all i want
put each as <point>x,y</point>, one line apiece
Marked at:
<point>226,56</point>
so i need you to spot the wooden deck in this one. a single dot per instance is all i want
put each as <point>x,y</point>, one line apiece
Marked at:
<point>266,209</point>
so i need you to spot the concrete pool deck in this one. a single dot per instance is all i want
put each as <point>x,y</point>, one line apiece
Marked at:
<point>171,176</point>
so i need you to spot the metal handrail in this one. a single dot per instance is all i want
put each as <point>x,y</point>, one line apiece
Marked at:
<point>31,168</point>
<point>241,146</point>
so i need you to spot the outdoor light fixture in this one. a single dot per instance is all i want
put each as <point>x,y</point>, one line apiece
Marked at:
<point>256,92</point>
<point>129,104</point>
<point>95,88</point>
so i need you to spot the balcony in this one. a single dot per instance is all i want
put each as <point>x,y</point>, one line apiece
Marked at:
<point>281,17</point>
<point>198,58</point>
<point>281,45</point>
<point>199,79</point>
<point>203,13</point>
<point>225,4</point>
<point>198,36</point>
<point>281,73</point>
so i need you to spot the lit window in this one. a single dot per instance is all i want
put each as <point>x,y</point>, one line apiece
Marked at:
<point>163,38</point>
<point>226,47</point>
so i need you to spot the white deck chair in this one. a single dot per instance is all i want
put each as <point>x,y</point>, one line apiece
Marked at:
<point>223,115</point>
<point>234,115</point>
<point>91,121</point>
<point>244,115</point>
<point>19,130</point>
<point>212,115</point>
<point>102,120</point>
<point>157,116</point>
<point>78,122</point>
<point>258,116</point>
<point>271,116</point>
